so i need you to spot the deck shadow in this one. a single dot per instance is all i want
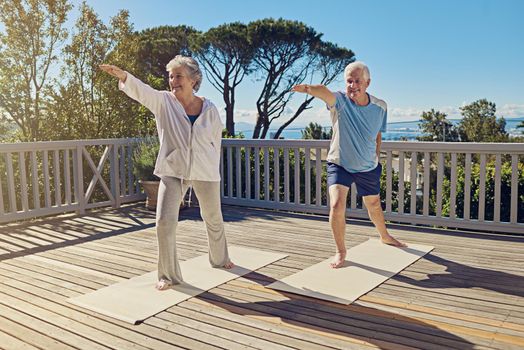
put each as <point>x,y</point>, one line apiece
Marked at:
<point>357,323</point>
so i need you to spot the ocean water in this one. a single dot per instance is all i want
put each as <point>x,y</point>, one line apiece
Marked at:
<point>409,130</point>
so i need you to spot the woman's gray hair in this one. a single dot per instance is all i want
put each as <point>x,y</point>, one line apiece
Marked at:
<point>190,65</point>
<point>357,65</point>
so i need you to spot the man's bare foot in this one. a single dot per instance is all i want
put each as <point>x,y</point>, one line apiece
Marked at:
<point>229,265</point>
<point>390,240</point>
<point>338,260</point>
<point>163,284</point>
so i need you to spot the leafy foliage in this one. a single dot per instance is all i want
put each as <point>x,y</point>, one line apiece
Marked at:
<point>226,56</point>
<point>283,57</point>
<point>316,132</point>
<point>479,123</point>
<point>436,127</point>
<point>144,158</point>
<point>28,53</point>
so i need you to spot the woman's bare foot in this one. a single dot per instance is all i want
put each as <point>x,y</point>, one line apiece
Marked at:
<point>229,265</point>
<point>162,284</point>
<point>390,240</point>
<point>338,259</point>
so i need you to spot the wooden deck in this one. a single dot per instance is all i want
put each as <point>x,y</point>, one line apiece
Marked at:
<point>467,294</point>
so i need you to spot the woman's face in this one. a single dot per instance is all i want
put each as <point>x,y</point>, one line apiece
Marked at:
<point>180,82</point>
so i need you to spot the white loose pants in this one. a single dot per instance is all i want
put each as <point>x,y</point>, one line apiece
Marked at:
<point>170,194</point>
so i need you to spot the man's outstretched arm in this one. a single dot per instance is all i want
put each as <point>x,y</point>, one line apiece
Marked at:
<point>319,91</point>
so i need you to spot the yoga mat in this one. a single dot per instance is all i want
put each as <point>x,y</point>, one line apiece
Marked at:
<point>367,265</point>
<point>136,299</point>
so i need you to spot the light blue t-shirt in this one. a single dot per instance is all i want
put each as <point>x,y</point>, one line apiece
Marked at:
<point>355,130</point>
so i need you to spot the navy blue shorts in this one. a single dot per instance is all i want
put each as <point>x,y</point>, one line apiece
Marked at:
<point>367,182</point>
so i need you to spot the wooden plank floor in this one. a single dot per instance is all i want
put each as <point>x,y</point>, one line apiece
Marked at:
<point>467,294</point>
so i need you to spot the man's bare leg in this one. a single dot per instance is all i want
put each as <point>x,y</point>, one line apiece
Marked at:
<point>337,218</point>
<point>377,217</point>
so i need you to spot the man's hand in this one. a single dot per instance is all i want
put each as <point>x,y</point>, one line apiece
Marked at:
<point>319,91</point>
<point>114,71</point>
<point>303,88</point>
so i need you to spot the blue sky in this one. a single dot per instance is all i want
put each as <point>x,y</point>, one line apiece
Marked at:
<point>422,54</point>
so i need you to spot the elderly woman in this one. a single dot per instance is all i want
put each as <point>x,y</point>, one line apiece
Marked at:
<point>190,131</point>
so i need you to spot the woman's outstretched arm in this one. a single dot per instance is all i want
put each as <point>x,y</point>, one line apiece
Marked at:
<point>136,89</point>
<point>114,71</point>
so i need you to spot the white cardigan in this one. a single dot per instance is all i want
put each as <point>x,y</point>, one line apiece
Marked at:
<point>186,152</point>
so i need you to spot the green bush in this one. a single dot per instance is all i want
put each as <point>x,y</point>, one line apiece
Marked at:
<point>144,158</point>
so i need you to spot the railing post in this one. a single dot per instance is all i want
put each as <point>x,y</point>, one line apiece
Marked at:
<point>79,180</point>
<point>115,176</point>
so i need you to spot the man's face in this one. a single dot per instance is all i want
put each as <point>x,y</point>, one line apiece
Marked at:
<point>356,85</point>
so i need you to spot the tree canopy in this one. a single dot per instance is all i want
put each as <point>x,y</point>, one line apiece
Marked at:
<point>329,64</point>
<point>283,58</point>
<point>34,30</point>
<point>49,75</point>
<point>435,127</point>
<point>226,56</point>
<point>479,123</point>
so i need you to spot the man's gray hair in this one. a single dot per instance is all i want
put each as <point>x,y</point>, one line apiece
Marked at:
<point>190,65</point>
<point>357,65</point>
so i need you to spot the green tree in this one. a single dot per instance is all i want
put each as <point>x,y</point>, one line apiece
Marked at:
<point>33,32</point>
<point>316,132</point>
<point>88,104</point>
<point>226,55</point>
<point>521,125</point>
<point>435,127</point>
<point>330,62</point>
<point>479,123</point>
<point>282,58</point>
<point>157,46</point>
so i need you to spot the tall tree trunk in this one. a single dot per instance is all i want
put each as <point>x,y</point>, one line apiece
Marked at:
<point>259,124</point>
<point>228,100</point>
<point>264,131</point>
<point>230,109</point>
<point>230,122</point>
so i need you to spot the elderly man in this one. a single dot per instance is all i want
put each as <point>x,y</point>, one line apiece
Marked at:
<point>358,121</point>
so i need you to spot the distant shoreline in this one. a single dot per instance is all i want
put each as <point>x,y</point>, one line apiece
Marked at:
<point>404,130</point>
<point>456,120</point>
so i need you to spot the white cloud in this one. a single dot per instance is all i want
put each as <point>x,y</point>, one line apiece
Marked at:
<point>397,114</point>
<point>316,114</point>
<point>241,115</point>
<point>511,111</point>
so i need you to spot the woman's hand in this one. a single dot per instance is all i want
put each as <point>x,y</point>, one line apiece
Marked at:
<point>114,71</point>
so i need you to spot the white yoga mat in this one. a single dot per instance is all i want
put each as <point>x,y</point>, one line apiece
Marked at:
<point>136,299</point>
<point>367,265</point>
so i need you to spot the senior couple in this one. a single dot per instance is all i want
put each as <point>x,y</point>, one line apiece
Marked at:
<point>190,131</point>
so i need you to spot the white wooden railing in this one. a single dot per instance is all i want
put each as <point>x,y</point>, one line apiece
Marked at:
<point>250,180</point>
<point>44,178</point>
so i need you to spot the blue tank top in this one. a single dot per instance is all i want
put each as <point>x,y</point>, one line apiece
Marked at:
<point>192,118</point>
